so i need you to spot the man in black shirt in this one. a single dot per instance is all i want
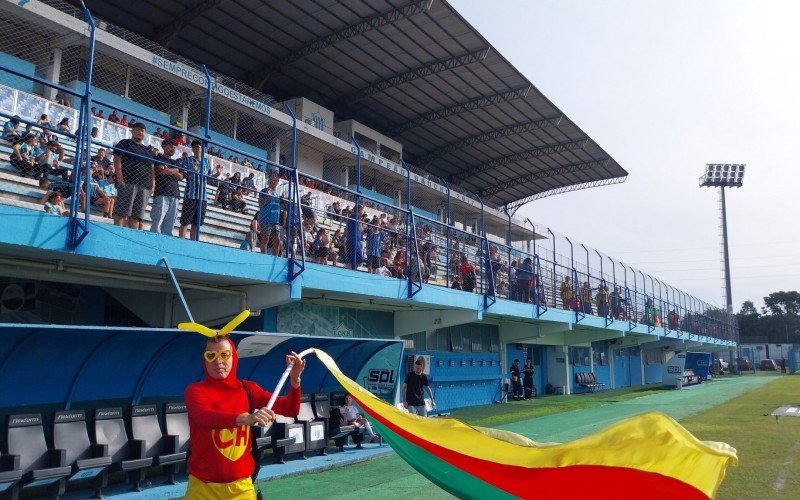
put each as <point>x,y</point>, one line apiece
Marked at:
<point>166,194</point>
<point>413,397</point>
<point>133,164</point>
<point>516,383</point>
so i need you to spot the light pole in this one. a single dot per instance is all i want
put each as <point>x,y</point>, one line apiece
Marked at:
<point>724,175</point>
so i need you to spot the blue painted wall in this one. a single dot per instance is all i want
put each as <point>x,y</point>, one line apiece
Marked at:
<point>256,155</point>
<point>653,374</point>
<point>21,65</point>
<point>139,112</point>
<point>463,379</point>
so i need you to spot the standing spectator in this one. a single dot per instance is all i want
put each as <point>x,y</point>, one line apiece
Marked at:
<point>133,165</point>
<point>512,280</point>
<point>616,302</point>
<point>672,320</point>
<point>413,386</point>
<point>269,216</point>
<point>354,256</point>
<point>516,382</point>
<point>375,239</point>
<point>113,117</point>
<point>527,379</point>
<point>124,120</point>
<point>100,115</point>
<point>524,274</point>
<point>466,274</point>
<point>323,243</point>
<point>601,300</point>
<point>194,195</point>
<point>566,294</point>
<point>167,191</point>
<point>586,298</point>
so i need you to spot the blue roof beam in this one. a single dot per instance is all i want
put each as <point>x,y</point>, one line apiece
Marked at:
<point>516,129</point>
<point>462,107</point>
<point>423,71</point>
<point>346,33</point>
<point>516,157</point>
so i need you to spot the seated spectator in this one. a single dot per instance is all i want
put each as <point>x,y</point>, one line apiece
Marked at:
<point>44,122</point>
<point>11,131</point>
<point>60,100</point>
<point>250,241</point>
<point>47,160</point>
<point>124,120</point>
<point>384,270</point>
<point>322,245</point>
<point>100,115</point>
<point>113,117</point>
<point>94,111</point>
<point>54,203</point>
<point>250,181</point>
<point>97,198</point>
<point>213,179</point>
<point>102,159</point>
<point>22,156</point>
<point>64,125</point>
<point>158,132</point>
<point>238,204</point>
<point>352,417</point>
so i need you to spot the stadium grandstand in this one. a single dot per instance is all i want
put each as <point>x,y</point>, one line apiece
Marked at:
<point>348,171</point>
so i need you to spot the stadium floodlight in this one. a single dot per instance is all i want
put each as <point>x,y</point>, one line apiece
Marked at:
<point>724,175</point>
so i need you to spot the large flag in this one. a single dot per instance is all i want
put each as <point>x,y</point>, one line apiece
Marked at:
<point>648,456</point>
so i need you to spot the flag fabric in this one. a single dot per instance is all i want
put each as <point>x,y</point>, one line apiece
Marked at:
<point>647,456</point>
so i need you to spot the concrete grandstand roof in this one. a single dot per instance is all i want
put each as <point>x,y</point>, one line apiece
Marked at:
<point>413,70</point>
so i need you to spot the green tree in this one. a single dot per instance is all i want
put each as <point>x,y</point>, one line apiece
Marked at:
<point>782,303</point>
<point>748,308</point>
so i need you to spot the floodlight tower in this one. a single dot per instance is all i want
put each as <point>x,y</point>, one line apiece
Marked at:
<point>724,175</point>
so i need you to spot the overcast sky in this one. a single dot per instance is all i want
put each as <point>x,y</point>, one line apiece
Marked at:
<point>666,86</point>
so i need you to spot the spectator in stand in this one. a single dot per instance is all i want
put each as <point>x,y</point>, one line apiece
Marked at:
<point>238,203</point>
<point>11,130</point>
<point>354,254</point>
<point>101,158</point>
<point>466,274</point>
<point>179,138</point>
<point>251,239</point>
<point>215,177</point>
<point>60,100</point>
<point>124,120</point>
<point>108,184</point>
<point>566,294</point>
<point>100,115</point>
<point>113,117</point>
<point>167,192</point>
<point>524,274</point>
<point>133,165</point>
<point>64,125</point>
<point>672,320</point>
<point>249,182</point>
<point>194,195</point>
<point>617,303</point>
<point>601,300</point>
<point>94,111</point>
<point>97,198</point>
<point>94,133</point>
<point>375,239</point>
<point>47,161</point>
<point>22,156</point>
<point>165,135</point>
<point>44,122</point>
<point>385,269</point>
<point>323,242</point>
<point>586,298</point>
<point>54,203</point>
<point>269,216</point>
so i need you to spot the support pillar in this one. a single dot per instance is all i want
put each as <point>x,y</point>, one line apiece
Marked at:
<point>53,73</point>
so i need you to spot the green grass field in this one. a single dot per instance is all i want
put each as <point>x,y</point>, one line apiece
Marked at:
<point>734,410</point>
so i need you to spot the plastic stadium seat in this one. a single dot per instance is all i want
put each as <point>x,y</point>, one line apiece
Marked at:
<point>10,476</point>
<point>287,437</point>
<point>314,428</point>
<point>176,423</point>
<point>127,455</point>
<point>88,461</point>
<point>162,448</point>
<point>41,467</point>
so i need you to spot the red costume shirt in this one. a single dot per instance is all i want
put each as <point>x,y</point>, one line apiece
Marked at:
<point>220,448</point>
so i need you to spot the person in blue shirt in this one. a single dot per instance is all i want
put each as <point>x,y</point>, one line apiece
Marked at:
<point>523,275</point>
<point>195,168</point>
<point>375,239</point>
<point>269,217</point>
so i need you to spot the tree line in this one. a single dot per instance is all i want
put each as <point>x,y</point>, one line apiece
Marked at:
<point>778,322</point>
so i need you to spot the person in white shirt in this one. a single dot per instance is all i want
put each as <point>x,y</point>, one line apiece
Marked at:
<point>354,418</point>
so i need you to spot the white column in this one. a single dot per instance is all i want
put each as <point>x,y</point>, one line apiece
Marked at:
<point>53,73</point>
<point>567,377</point>
<point>610,353</point>
<point>128,82</point>
<point>235,123</point>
